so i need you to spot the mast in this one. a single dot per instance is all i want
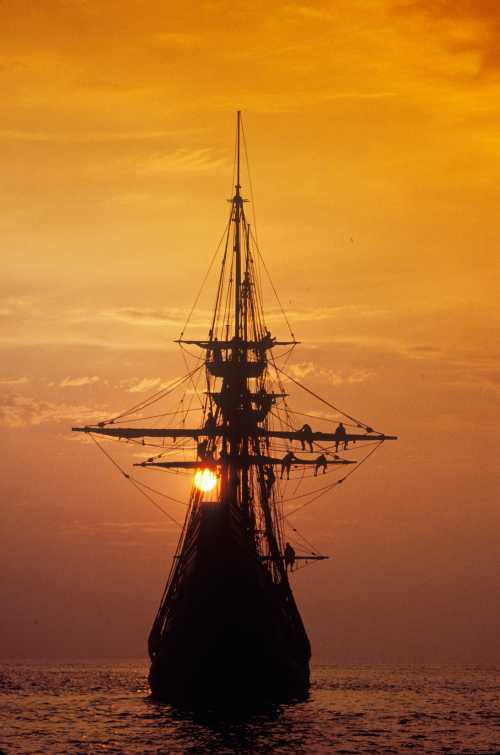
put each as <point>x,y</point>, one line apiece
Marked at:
<point>240,442</point>
<point>241,384</point>
<point>237,203</point>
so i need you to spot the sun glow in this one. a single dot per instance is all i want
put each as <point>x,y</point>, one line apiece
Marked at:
<point>205,480</point>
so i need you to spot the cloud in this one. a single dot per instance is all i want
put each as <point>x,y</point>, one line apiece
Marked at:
<point>423,350</point>
<point>357,95</point>
<point>19,411</point>
<point>482,10</point>
<point>14,381</point>
<point>373,342</point>
<point>78,382</point>
<point>174,317</point>
<point>88,137</point>
<point>108,529</point>
<point>28,324</point>
<point>143,316</point>
<point>360,376</point>
<point>151,320</point>
<point>180,39</point>
<point>302,370</point>
<point>310,12</point>
<point>316,314</point>
<point>465,26</point>
<point>181,160</point>
<point>16,307</point>
<point>146,384</point>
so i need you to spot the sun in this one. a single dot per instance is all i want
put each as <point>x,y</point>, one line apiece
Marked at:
<point>205,480</point>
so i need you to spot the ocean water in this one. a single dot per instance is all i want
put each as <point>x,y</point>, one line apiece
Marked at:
<point>105,708</point>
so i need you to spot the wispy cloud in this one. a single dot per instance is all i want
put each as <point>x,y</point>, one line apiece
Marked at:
<point>311,12</point>
<point>78,382</point>
<point>107,529</point>
<point>179,39</point>
<point>302,370</point>
<point>357,95</point>
<point>14,380</point>
<point>16,306</point>
<point>316,314</point>
<point>23,411</point>
<point>89,137</point>
<point>143,316</point>
<point>143,385</point>
<point>181,160</point>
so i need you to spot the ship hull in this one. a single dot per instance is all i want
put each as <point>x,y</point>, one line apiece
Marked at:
<point>226,632</point>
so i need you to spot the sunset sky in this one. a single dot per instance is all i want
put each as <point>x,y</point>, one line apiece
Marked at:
<point>374,147</point>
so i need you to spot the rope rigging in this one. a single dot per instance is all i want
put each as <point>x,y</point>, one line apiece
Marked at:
<point>358,422</point>
<point>137,484</point>
<point>197,297</point>
<point>235,427</point>
<point>334,484</point>
<point>152,399</point>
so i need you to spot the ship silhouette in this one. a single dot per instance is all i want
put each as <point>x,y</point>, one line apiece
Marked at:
<point>228,627</point>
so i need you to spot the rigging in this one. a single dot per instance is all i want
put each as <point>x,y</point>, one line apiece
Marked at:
<point>241,447</point>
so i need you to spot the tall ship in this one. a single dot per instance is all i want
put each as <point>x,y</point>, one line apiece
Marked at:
<point>228,627</point>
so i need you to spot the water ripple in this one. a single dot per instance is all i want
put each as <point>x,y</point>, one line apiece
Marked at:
<point>105,707</point>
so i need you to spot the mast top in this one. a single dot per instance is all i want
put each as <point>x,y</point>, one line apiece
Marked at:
<point>238,133</point>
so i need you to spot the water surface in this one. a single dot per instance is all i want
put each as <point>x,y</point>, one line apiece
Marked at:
<point>105,707</point>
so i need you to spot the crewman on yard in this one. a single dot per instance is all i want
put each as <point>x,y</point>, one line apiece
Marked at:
<point>306,436</point>
<point>270,478</point>
<point>340,436</point>
<point>320,463</point>
<point>286,464</point>
<point>268,340</point>
<point>210,423</point>
<point>216,351</point>
<point>289,555</point>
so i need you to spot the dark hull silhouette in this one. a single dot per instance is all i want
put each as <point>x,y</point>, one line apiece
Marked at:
<point>225,632</point>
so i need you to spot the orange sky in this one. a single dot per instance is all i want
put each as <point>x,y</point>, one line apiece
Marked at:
<point>372,130</point>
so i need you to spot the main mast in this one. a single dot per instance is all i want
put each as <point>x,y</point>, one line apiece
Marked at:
<point>235,384</point>
<point>237,209</point>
